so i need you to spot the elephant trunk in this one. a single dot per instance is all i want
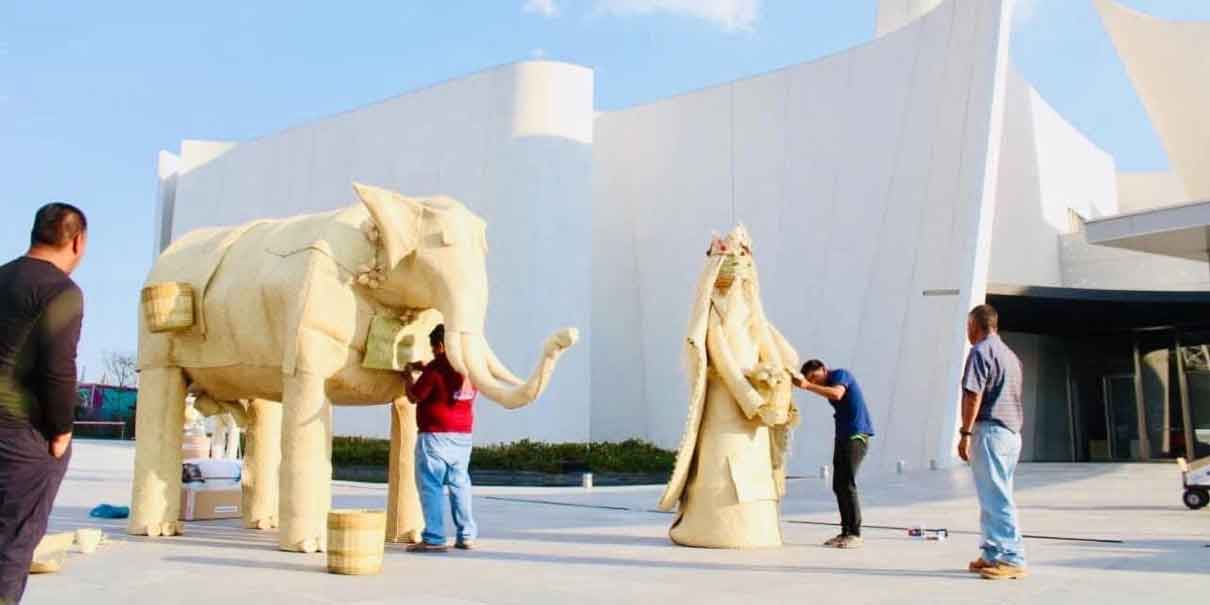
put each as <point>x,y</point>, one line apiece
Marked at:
<point>499,370</point>
<point>471,356</point>
<point>467,316</point>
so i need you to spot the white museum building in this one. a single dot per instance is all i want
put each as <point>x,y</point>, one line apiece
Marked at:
<point>888,189</point>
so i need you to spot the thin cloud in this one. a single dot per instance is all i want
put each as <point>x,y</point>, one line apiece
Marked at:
<point>730,15</point>
<point>546,8</point>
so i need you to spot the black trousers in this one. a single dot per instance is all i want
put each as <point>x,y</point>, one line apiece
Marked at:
<point>846,458</point>
<point>29,481</point>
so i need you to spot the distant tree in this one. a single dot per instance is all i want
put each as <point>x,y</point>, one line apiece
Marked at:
<point>120,369</point>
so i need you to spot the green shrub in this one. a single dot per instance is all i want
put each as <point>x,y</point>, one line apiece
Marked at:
<point>630,456</point>
<point>360,451</point>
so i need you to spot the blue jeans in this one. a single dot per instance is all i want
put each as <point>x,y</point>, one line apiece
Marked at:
<point>994,454</point>
<point>443,460</point>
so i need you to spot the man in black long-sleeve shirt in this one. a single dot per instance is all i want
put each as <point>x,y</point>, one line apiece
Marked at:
<point>41,309</point>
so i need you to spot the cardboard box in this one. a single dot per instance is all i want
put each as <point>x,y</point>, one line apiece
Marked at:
<point>210,500</point>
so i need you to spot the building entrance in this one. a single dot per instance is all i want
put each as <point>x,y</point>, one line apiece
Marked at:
<point>1111,376</point>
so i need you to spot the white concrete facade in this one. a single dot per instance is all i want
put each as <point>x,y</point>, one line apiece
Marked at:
<point>884,188</point>
<point>894,14</point>
<point>1167,63</point>
<point>512,143</point>
<point>1049,174</point>
<point>869,191</point>
<point>1138,191</point>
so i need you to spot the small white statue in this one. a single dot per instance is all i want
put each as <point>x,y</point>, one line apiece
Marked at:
<point>224,437</point>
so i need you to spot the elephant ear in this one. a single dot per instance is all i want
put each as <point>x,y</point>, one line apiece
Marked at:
<point>397,217</point>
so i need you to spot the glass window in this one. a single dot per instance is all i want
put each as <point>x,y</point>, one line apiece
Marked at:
<point>1162,415</point>
<point>1195,354</point>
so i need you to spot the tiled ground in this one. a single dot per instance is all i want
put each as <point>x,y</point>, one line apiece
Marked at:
<point>568,545</point>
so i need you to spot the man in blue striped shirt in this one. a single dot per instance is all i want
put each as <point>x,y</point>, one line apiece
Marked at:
<point>992,417</point>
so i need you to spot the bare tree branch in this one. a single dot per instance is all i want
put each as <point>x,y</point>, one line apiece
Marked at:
<point>121,367</point>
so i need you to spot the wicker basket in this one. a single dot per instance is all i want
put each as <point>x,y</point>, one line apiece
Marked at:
<point>355,541</point>
<point>168,306</point>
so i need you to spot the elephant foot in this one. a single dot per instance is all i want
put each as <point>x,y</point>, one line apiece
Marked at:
<point>264,523</point>
<point>308,545</point>
<point>155,530</point>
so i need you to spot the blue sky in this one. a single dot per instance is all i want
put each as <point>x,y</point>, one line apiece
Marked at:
<point>91,91</point>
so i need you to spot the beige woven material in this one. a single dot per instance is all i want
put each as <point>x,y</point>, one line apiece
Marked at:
<point>51,551</point>
<point>392,344</point>
<point>283,312</point>
<point>405,517</point>
<point>262,458</point>
<point>729,473</point>
<point>355,541</point>
<point>167,306</point>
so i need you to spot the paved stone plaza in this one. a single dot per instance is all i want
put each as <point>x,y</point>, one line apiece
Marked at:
<point>564,545</point>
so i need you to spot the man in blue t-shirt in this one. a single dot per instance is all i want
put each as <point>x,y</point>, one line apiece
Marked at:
<point>853,432</point>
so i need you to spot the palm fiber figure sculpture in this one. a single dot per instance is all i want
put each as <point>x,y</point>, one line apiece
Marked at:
<point>275,321</point>
<point>730,469</point>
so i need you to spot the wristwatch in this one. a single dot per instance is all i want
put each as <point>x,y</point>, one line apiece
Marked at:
<point>965,433</point>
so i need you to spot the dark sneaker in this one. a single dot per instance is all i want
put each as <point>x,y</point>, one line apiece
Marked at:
<point>850,542</point>
<point>979,565</point>
<point>426,547</point>
<point>1003,571</point>
<point>834,540</point>
<point>465,545</point>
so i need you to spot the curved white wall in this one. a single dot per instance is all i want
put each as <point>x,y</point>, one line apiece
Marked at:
<point>512,143</point>
<point>867,180</point>
<point>894,14</point>
<point>1169,64</point>
<point>1139,191</point>
<point>1047,170</point>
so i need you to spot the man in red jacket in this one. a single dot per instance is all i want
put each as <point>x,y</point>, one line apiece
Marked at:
<point>445,403</point>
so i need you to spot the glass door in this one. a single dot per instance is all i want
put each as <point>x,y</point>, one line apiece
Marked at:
<point>1121,417</point>
<point>1195,366</point>
<point>1159,386</point>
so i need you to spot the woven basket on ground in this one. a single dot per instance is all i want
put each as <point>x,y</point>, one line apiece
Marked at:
<point>355,541</point>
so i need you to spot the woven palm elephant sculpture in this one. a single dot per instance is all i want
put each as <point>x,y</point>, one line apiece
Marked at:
<point>280,311</point>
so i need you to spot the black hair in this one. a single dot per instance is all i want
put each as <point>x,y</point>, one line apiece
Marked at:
<point>437,336</point>
<point>986,318</point>
<point>56,224</point>
<point>811,366</point>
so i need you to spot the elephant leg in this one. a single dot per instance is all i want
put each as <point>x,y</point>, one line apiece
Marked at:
<point>262,461</point>
<point>306,464</point>
<point>160,418</point>
<point>405,520</point>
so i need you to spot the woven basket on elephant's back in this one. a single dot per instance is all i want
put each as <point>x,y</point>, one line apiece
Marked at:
<point>168,306</point>
<point>355,541</point>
